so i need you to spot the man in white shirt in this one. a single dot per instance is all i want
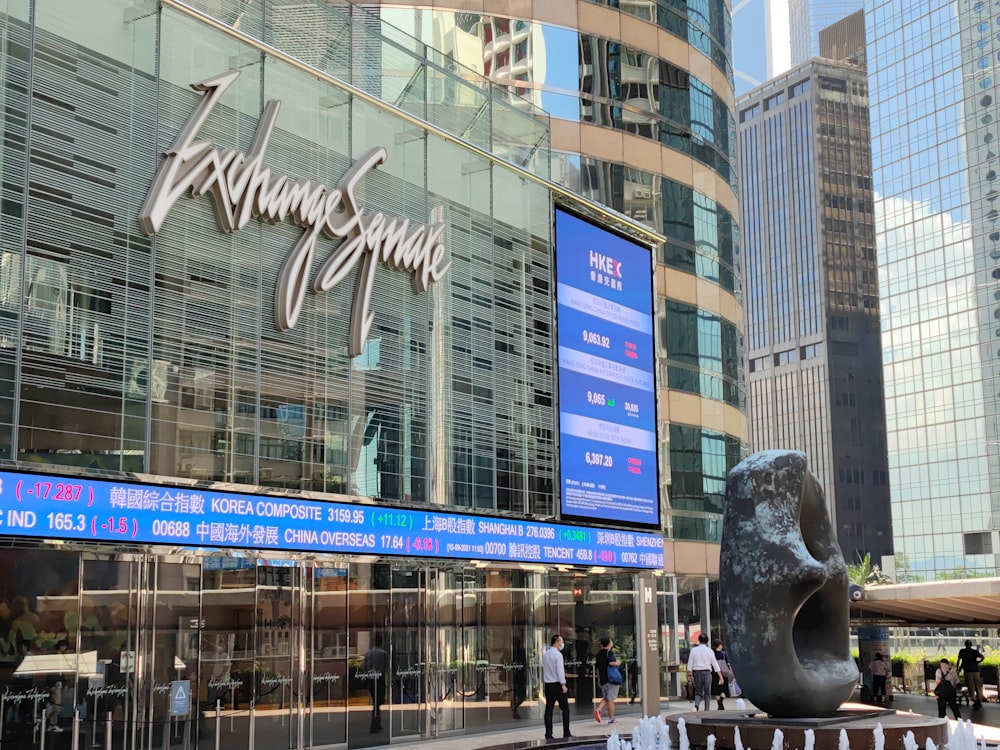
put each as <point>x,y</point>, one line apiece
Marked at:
<point>701,664</point>
<point>554,677</point>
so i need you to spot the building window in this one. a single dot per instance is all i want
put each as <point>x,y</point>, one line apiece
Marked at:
<point>799,88</point>
<point>978,543</point>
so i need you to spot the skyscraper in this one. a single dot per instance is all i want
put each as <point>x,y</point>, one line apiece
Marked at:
<point>807,17</point>
<point>934,137</point>
<point>812,306</point>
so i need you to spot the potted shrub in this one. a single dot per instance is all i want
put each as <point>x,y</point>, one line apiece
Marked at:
<point>988,670</point>
<point>906,668</point>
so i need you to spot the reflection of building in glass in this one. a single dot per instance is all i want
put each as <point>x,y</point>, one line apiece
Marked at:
<point>813,318</point>
<point>934,128</point>
<point>806,18</point>
<point>637,129</point>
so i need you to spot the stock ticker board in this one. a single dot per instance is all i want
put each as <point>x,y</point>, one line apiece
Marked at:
<point>51,507</point>
<point>607,390</point>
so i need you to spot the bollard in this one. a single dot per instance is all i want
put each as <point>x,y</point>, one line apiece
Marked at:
<point>250,743</point>
<point>218,724</point>
<point>166,734</point>
<point>107,732</point>
<point>75,745</point>
<point>43,720</point>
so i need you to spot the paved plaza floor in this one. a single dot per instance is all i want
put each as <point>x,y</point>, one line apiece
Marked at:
<point>585,729</point>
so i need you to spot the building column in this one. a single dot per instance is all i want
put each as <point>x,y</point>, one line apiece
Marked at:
<point>648,644</point>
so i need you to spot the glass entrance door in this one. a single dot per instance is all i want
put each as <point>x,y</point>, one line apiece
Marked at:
<point>171,626</point>
<point>446,673</point>
<point>326,655</point>
<point>110,608</point>
<point>278,683</point>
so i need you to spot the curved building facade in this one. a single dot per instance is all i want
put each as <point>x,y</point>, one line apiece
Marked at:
<point>288,387</point>
<point>640,96</point>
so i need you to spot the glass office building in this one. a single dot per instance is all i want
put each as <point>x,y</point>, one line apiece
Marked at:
<point>640,99</point>
<point>261,487</point>
<point>933,115</point>
<point>806,18</point>
<point>815,359</point>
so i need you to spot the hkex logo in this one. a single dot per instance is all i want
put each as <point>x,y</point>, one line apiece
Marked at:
<point>606,264</point>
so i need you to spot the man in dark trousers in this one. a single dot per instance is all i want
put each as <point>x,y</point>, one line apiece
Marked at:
<point>376,672</point>
<point>554,677</point>
<point>968,660</point>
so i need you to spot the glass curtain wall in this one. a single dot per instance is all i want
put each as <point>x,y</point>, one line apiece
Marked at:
<point>160,355</point>
<point>287,653</point>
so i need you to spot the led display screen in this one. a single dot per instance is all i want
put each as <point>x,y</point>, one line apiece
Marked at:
<point>607,392</point>
<point>40,505</point>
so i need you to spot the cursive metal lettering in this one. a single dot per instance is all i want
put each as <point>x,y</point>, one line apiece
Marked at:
<point>100,692</point>
<point>278,679</point>
<point>225,684</point>
<point>31,695</point>
<point>241,187</point>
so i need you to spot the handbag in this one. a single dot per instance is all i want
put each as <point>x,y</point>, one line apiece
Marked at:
<point>614,674</point>
<point>945,688</point>
<point>723,665</point>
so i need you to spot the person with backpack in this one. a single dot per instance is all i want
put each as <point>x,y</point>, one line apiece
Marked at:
<point>609,677</point>
<point>946,689</point>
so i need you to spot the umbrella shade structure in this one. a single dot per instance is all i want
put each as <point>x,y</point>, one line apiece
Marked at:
<point>84,664</point>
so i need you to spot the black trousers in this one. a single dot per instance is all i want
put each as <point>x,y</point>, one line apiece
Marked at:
<point>943,704</point>
<point>878,687</point>
<point>554,694</point>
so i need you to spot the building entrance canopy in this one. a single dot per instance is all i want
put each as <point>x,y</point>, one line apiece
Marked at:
<point>974,601</point>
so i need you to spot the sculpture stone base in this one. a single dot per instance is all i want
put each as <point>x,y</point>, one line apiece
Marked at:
<point>757,730</point>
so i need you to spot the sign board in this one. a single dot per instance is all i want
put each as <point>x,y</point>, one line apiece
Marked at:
<point>180,697</point>
<point>52,507</point>
<point>242,187</point>
<point>607,390</point>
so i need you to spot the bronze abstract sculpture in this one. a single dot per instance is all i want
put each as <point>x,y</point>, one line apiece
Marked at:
<point>783,584</point>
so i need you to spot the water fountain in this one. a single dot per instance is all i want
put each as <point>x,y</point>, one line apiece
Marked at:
<point>653,733</point>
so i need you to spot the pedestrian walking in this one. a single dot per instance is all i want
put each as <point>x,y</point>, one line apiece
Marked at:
<point>946,689</point>
<point>701,664</point>
<point>609,677</point>
<point>968,661</point>
<point>554,677</point>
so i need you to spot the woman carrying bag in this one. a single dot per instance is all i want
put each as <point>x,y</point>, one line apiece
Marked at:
<point>946,689</point>
<point>721,689</point>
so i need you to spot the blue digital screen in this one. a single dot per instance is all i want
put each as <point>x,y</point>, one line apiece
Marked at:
<point>50,507</point>
<point>607,389</point>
